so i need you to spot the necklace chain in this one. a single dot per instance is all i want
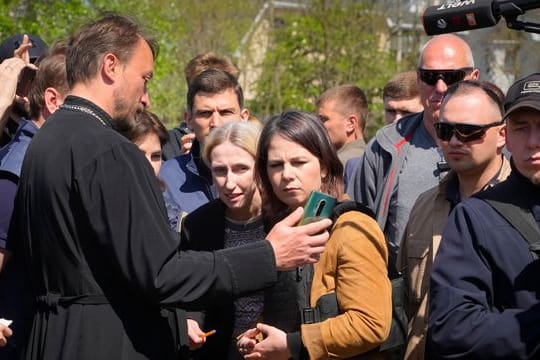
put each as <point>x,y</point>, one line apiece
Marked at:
<point>85,110</point>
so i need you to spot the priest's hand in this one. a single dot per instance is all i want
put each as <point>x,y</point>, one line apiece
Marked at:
<point>297,245</point>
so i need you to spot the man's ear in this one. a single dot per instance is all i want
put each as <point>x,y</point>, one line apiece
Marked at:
<point>244,114</point>
<point>351,124</point>
<point>475,74</point>
<point>110,67</point>
<point>501,139</point>
<point>53,99</point>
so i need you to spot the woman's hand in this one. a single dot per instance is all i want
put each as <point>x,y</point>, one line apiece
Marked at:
<point>272,347</point>
<point>247,341</point>
<point>196,335</point>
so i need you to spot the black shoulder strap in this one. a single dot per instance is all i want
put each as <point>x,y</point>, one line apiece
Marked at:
<point>522,220</point>
<point>346,206</point>
<point>327,305</point>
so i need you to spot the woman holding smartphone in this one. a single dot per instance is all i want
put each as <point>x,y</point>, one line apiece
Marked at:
<point>295,157</point>
<point>234,219</point>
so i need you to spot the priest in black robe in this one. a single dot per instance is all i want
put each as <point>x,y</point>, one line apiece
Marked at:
<point>90,220</point>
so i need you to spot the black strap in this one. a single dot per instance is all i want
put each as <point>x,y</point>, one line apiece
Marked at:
<point>522,220</point>
<point>346,206</point>
<point>304,277</point>
<point>327,305</point>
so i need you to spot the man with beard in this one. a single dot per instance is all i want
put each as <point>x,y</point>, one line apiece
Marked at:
<point>90,220</point>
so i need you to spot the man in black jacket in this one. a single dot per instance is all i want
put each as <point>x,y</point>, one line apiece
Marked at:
<point>484,292</point>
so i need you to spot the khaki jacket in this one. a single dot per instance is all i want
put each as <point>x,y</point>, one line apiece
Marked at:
<point>354,265</point>
<point>417,252</point>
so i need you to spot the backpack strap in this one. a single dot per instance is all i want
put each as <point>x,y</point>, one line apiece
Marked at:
<point>346,206</point>
<point>522,220</point>
<point>327,305</point>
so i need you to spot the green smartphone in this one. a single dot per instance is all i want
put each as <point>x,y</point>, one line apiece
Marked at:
<point>318,206</point>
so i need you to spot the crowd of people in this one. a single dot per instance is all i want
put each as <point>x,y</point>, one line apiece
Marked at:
<point>122,240</point>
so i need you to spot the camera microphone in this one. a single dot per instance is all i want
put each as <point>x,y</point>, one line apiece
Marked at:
<point>459,16</point>
<point>472,14</point>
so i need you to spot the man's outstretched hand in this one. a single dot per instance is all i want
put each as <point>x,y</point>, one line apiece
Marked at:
<point>298,245</point>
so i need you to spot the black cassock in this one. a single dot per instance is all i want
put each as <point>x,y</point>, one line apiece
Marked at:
<point>91,223</point>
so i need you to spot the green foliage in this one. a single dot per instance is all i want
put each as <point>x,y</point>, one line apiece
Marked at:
<point>329,44</point>
<point>50,19</point>
<point>183,29</point>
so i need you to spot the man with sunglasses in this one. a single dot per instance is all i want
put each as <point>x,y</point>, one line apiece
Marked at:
<point>402,160</point>
<point>470,133</point>
<point>484,291</point>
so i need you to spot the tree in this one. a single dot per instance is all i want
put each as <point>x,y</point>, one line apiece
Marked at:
<point>183,29</point>
<point>327,44</point>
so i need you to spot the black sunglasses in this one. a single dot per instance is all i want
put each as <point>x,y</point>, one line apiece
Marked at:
<point>463,132</point>
<point>431,77</point>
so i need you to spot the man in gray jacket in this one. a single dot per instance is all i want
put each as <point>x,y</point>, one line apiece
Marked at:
<point>403,160</point>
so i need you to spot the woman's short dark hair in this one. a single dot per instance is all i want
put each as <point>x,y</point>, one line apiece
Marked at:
<point>143,123</point>
<point>308,131</point>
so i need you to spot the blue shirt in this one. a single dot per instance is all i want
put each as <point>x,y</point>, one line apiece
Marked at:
<point>188,185</point>
<point>15,300</point>
<point>12,154</point>
<point>11,158</point>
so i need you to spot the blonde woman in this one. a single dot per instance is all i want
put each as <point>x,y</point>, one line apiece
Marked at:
<point>232,220</point>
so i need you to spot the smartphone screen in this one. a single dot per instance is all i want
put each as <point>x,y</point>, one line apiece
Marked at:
<point>318,206</point>
<point>184,129</point>
<point>26,78</point>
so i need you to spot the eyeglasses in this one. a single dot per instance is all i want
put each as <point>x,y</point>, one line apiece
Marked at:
<point>431,77</point>
<point>463,132</point>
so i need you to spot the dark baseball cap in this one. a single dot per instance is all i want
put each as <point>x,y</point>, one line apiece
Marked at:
<point>9,45</point>
<point>523,93</point>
